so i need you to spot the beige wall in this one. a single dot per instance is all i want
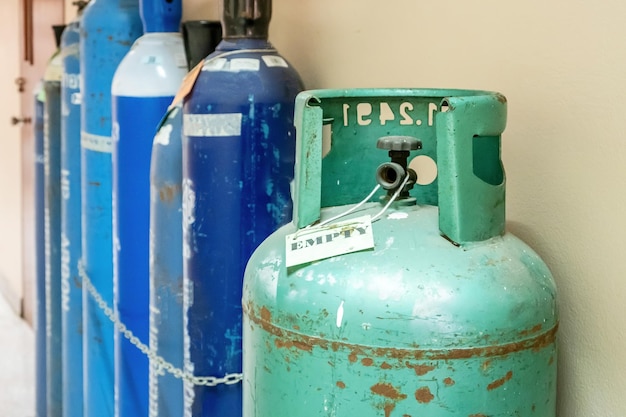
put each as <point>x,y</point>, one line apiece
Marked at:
<point>562,65</point>
<point>10,163</point>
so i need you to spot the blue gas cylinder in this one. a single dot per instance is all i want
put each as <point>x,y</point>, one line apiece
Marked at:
<point>71,282</point>
<point>40,254</point>
<point>143,87</point>
<point>52,226</point>
<point>108,29</point>
<point>166,236</point>
<point>238,155</point>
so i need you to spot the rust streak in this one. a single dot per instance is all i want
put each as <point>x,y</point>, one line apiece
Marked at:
<point>389,408</point>
<point>264,320</point>
<point>499,382</point>
<point>423,395</point>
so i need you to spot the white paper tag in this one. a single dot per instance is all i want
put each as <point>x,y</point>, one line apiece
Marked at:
<point>315,243</point>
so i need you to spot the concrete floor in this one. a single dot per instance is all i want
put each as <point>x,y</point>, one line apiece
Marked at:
<point>17,370</point>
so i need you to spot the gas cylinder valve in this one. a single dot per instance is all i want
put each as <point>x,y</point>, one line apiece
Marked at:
<point>391,175</point>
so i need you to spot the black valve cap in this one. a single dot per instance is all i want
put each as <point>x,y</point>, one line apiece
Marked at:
<point>399,143</point>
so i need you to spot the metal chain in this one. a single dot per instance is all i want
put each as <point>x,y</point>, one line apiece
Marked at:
<point>155,359</point>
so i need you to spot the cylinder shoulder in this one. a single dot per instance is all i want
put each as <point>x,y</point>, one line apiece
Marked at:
<point>414,287</point>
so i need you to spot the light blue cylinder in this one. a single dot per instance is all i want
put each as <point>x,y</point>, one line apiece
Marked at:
<point>108,29</point>
<point>71,282</point>
<point>52,230</point>
<point>40,254</point>
<point>166,264</point>
<point>143,87</point>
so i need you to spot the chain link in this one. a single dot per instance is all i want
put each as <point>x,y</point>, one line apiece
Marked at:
<point>155,360</point>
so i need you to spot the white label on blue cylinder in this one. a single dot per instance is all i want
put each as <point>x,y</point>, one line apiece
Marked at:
<point>315,243</point>
<point>96,142</point>
<point>215,64</point>
<point>212,125</point>
<point>274,61</point>
<point>245,64</point>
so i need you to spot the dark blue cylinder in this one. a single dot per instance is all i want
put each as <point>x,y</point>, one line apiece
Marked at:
<point>72,292</point>
<point>161,15</point>
<point>238,156</point>
<point>108,29</point>
<point>52,225</point>
<point>143,87</point>
<point>40,256</point>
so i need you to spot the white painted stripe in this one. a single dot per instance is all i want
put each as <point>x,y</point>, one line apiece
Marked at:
<point>96,143</point>
<point>212,125</point>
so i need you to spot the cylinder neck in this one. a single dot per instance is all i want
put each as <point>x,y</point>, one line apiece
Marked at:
<point>161,15</point>
<point>246,18</point>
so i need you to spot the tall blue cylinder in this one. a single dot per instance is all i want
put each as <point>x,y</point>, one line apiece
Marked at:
<point>108,29</point>
<point>166,265</point>
<point>72,292</point>
<point>143,87</point>
<point>238,156</point>
<point>40,256</point>
<point>52,226</point>
<point>166,235</point>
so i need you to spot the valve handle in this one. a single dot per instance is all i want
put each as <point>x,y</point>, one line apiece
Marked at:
<point>399,143</point>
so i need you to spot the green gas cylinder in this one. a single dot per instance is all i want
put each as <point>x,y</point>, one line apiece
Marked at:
<point>396,291</point>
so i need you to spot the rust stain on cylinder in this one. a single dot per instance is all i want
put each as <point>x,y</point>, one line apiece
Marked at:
<point>304,342</point>
<point>420,370</point>
<point>367,361</point>
<point>387,390</point>
<point>341,384</point>
<point>423,395</point>
<point>499,382</point>
<point>535,329</point>
<point>167,193</point>
<point>478,415</point>
<point>449,382</point>
<point>388,409</point>
<point>385,365</point>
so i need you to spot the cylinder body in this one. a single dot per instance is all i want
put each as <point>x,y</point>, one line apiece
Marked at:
<point>166,235</point>
<point>40,256</point>
<point>414,327</point>
<point>108,29</point>
<point>143,87</point>
<point>72,288</point>
<point>166,264</point>
<point>238,150</point>
<point>52,222</point>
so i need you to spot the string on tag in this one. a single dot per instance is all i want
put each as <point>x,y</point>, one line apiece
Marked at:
<point>345,213</point>
<point>392,199</point>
